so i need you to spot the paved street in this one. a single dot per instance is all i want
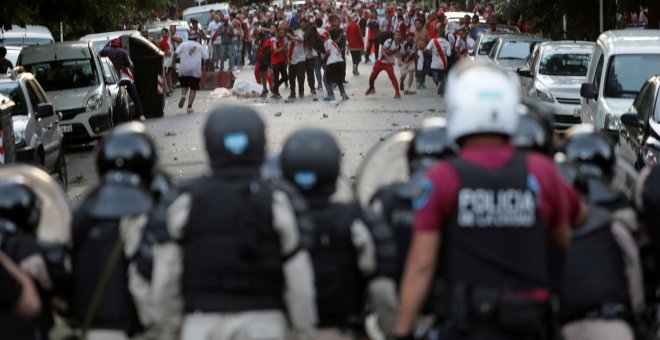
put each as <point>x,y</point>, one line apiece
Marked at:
<point>358,123</point>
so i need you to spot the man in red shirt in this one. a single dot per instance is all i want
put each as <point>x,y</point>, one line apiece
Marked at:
<point>493,210</point>
<point>165,45</point>
<point>355,41</point>
<point>279,61</point>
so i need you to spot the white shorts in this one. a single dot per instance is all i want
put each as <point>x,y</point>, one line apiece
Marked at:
<point>407,68</point>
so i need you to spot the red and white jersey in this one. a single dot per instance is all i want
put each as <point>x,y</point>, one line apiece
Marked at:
<point>333,51</point>
<point>391,47</point>
<point>440,51</point>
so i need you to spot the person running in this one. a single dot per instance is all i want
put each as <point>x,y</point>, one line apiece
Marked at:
<point>420,65</point>
<point>123,65</point>
<point>385,63</point>
<point>335,66</point>
<point>408,55</point>
<point>191,54</point>
<point>440,49</point>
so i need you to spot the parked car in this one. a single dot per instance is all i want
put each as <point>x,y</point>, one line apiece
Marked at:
<point>622,61</point>
<point>12,53</point>
<point>37,135</point>
<point>476,29</point>
<point>553,75</point>
<point>457,16</point>
<point>122,106</point>
<point>639,137</point>
<point>101,40</point>
<point>27,35</point>
<point>482,46</point>
<point>511,52</point>
<point>201,13</point>
<point>72,74</point>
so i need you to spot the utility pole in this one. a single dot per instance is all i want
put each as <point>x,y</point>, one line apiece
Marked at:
<point>602,27</point>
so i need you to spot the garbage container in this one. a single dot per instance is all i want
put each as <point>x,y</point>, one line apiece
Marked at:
<point>148,73</point>
<point>7,147</point>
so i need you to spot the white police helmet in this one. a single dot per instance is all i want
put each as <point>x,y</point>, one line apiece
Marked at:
<point>481,99</point>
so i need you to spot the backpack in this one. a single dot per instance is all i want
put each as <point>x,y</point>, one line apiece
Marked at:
<point>382,37</point>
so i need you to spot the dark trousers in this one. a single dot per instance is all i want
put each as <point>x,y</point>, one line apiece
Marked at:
<point>372,42</point>
<point>297,71</point>
<point>309,69</point>
<point>356,56</point>
<point>132,92</point>
<point>279,70</point>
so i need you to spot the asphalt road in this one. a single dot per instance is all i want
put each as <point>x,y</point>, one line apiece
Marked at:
<point>358,124</point>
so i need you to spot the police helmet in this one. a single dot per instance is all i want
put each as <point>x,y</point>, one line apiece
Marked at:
<point>429,144</point>
<point>311,160</point>
<point>128,147</point>
<point>20,205</point>
<point>481,99</point>
<point>572,174</point>
<point>235,136</point>
<point>593,150</point>
<point>534,131</point>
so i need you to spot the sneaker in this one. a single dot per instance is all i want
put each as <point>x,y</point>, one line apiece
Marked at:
<point>356,73</point>
<point>329,98</point>
<point>264,94</point>
<point>320,88</point>
<point>143,118</point>
<point>313,93</point>
<point>190,109</point>
<point>276,96</point>
<point>398,96</point>
<point>439,90</point>
<point>292,96</point>
<point>301,96</point>
<point>408,92</point>
<point>344,97</point>
<point>370,91</point>
<point>181,102</point>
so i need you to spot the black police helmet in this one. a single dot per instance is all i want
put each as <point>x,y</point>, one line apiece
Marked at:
<point>128,147</point>
<point>235,136</point>
<point>535,131</point>
<point>593,151</point>
<point>20,205</point>
<point>311,160</point>
<point>429,144</point>
<point>571,172</point>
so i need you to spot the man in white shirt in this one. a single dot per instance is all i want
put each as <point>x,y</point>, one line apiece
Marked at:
<point>440,50</point>
<point>297,60</point>
<point>215,38</point>
<point>389,51</point>
<point>191,54</point>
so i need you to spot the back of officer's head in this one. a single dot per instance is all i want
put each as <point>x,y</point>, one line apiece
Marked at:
<point>592,150</point>
<point>311,160</point>
<point>481,100</point>
<point>535,131</point>
<point>128,147</point>
<point>19,205</point>
<point>429,144</point>
<point>235,136</point>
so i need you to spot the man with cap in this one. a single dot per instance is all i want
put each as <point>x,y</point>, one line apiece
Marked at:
<point>483,288</point>
<point>191,54</point>
<point>123,64</point>
<point>5,64</point>
<point>234,267</point>
<point>106,230</point>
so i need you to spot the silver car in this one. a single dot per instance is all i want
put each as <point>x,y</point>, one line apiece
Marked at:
<point>553,76</point>
<point>37,133</point>
<point>511,51</point>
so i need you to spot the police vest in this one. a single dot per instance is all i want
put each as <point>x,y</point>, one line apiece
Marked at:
<point>398,213</point>
<point>232,259</point>
<point>495,238</point>
<point>339,283</point>
<point>93,241</point>
<point>594,271</point>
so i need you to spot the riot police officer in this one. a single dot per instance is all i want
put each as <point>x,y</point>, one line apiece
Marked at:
<point>233,264</point>
<point>344,251</point>
<point>394,200</point>
<point>495,209</point>
<point>106,229</point>
<point>604,304</point>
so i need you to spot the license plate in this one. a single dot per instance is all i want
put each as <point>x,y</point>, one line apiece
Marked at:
<point>66,128</point>
<point>577,112</point>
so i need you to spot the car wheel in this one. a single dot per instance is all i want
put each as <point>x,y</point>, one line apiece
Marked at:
<point>61,171</point>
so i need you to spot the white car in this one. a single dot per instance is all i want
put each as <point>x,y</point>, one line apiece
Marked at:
<point>622,62</point>
<point>202,13</point>
<point>27,35</point>
<point>553,76</point>
<point>512,51</point>
<point>482,46</point>
<point>72,75</point>
<point>100,40</point>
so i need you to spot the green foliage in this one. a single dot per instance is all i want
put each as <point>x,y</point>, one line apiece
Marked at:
<point>79,17</point>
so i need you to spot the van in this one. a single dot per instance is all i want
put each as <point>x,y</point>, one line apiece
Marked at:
<point>621,63</point>
<point>101,40</point>
<point>28,35</point>
<point>201,13</point>
<point>71,73</point>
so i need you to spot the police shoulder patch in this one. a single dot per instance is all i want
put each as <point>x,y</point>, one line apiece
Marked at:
<point>421,193</point>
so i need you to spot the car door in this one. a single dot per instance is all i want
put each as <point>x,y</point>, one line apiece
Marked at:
<point>47,127</point>
<point>589,106</point>
<point>531,65</point>
<point>632,137</point>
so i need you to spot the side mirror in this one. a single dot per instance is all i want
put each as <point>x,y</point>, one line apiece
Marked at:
<point>589,91</point>
<point>523,72</point>
<point>45,110</point>
<point>631,120</point>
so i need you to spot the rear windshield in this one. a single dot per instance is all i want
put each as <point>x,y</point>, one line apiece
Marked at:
<point>627,73</point>
<point>25,41</point>
<point>13,91</point>
<point>515,50</point>
<point>64,74</point>
<point>565,64</point>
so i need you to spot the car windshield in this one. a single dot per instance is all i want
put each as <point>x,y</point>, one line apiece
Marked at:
<point>565,64</point>
<point>486,45</point>
<point>627,73</point>
<point>64,74</point>
<point>13,91</point>
<point>514,50</point>
<point>25,41</point>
